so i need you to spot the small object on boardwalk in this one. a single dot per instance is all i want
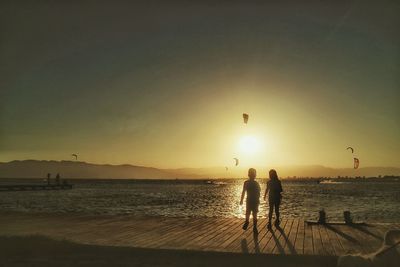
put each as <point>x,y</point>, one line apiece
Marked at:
<point>347,217</point>
<point>322,217</point>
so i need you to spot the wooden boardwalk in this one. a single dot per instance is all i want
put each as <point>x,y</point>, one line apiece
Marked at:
<point>205,234</point>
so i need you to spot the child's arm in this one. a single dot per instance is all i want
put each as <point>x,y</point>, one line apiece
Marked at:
<point>243,191</point>
<point>266,192</point>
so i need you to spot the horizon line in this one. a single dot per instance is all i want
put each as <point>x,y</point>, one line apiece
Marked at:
<point>209,167</point>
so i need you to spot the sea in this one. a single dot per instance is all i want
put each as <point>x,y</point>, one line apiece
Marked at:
<point>370,201</point>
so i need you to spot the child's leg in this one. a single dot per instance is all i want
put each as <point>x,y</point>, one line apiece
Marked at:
<point>271,210</point>
<point>247,214</point>
<point>277,211</point>
<point>246,223</point>
<point>255,218</point>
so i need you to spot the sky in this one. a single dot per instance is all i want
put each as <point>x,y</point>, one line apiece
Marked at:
<point>165,84</point>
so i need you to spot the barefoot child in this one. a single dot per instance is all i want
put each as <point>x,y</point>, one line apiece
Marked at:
<point>274,187</point>
<point>252,190</point>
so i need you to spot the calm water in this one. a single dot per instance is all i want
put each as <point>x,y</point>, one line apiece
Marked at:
<point>370,201</point>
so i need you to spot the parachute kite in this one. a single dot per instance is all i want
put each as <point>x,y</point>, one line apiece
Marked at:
<point>245,118</point>
<point>75,156</point>
<point>236,161</point>
<point>356,163</point>
<point>352,150</point>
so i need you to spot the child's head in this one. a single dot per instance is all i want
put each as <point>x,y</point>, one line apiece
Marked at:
<point>273,175</point>
<point>252,173</point>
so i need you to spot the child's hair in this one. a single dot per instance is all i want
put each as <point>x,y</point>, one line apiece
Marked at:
<point>252,173</point>
<point>273,174</point>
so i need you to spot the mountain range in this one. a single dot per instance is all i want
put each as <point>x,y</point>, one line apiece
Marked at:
<point>84,170</point>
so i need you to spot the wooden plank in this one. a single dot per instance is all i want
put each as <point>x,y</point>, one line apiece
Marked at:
<point>308,240</point>
<point>317,241</point>
<point>210,234</point>
<point>365,241</point>
<point>208,240</point>
<point>229,243</point>
<point>299,242</point>
<point>233,230</point>
<point>273,242</point>
<point>264,238</point>
<point>335,242</point>
<point>168,240</point>
<point>281,241</point>
<point>254,241</point>
<point>142,233</point>
<point>326,242</point>
<point>149,237</point>
<point>148,231</point>
<point>243,245</point>
<point>290,239</point>
<point>348,242</point>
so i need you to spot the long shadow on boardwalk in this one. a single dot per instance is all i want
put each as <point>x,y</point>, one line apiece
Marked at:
<point>256,244</point>
<point>276,240</point>
<point>245,247</point>
<point>366,231</point>
<point>288,243</point>
<point>346,236</point>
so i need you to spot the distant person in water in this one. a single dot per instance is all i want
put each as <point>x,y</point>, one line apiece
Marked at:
<point>274,188</point>
<point>58,179</point>
<point>48,178</point>
<point>252,190</point>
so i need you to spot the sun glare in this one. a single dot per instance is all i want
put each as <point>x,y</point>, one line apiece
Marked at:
<point>249,144</point>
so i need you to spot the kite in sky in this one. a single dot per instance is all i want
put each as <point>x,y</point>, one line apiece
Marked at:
<point>245,118</point>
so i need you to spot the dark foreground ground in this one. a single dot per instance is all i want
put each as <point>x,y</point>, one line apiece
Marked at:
<point>43,251</point>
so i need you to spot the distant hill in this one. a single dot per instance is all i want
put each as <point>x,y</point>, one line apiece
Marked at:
<point>78,169</point>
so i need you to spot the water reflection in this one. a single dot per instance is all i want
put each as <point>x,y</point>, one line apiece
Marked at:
<point>372,202</point>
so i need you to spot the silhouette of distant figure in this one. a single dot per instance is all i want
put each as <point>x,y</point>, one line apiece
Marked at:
<point>252,190</point>
<point>48,178</point>
<point>274,187</point>
<point>58,179</point>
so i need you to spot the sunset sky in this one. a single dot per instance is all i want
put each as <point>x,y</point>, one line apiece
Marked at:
<point>165,85</point>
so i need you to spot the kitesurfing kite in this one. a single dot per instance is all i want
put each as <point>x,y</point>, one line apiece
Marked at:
<point>245,118</point>
<point>236,161</point>
<point>75,155</point>
<point>356,160</point>
<point>356,163</point>
<point>226,168</point>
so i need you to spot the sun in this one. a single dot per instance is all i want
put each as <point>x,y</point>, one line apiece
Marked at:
<point>249,144</point>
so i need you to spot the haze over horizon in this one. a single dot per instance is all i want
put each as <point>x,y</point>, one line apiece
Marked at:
<point>87,170</point>
<point>165,85</point>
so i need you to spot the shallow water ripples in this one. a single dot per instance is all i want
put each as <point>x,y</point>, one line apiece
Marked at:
<point>366,201</point>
